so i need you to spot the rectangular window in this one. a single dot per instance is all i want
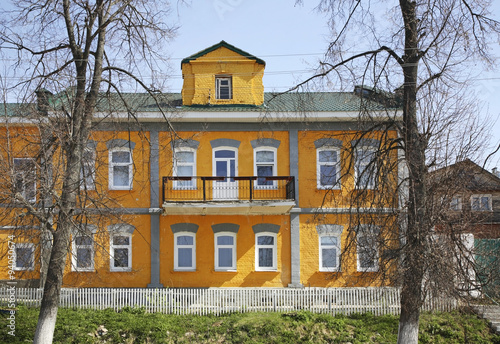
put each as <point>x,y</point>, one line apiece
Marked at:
<point>184,166</point>
<point>456,203</point>
<point>121,252</point>
<point>223,87</point>
<point>365,168</point>
<point>225,251</point>
<point>329,255</point>
<point>367,251</point>
<point>328,168</point>
<point>83,253</point>
<point>87,173</point>
<point>120,169</point>
<point>185,251</point>
<point>480,202</point>
<point>265,166</point>
<point>24,256</point>
<point>25,178</point>
<point>265,252</point>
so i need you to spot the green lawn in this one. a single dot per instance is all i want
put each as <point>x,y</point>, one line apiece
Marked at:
<point>136,326</point>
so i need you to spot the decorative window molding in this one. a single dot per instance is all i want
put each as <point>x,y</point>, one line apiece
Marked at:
<point>184,166</point>
<point>329,247</point>
<point>328,167</point>
<point>120,168</point>
<point>481,202</point>
<point>367,248</point>
<point>225,251</point>
<point>120,242</point>
<point>265,165</point>
<point>217,143</point>
<point>82,257</point>
<point>25,178</point>
<point>225,227</point>
<point>265,142</point>
<point>185,251</point>
<point>24,257</point>
<point>223,87</point>
<point>266,251</point>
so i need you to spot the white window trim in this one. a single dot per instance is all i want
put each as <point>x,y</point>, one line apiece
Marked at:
<point>32,262</point>
<point>112,164</point>
<point>376,258</point>
<point>176,163</point>
<point>337,257</point>
<point>216,251</point>
<point>24,174</point>
<point>90,164</point>
<point>319,164</point>
<point>371,186</point>
<point>112,248</point>
<point>274,266</point>
<point>490,202</point>
<point>74,266</point>
<point>218,78</point>
<point>193,251</point>
<point>274,165</point>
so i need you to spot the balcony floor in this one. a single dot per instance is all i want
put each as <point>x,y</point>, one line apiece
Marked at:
<point>274,207</point>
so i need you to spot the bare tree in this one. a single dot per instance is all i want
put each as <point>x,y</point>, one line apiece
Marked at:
<point>425,51</point>
<point>79,51</point>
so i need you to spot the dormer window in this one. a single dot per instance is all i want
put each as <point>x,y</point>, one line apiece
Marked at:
<point>223,87</point>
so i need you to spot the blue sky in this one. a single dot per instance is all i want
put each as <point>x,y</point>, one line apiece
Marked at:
<point>291,39</point>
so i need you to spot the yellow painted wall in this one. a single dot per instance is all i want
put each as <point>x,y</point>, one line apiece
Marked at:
<point>205,275</point>
<point>199,79</point>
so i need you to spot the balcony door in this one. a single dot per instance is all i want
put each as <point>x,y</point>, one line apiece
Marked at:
<point>225,165</point>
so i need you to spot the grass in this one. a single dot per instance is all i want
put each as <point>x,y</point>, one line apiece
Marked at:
<point>133,325</point>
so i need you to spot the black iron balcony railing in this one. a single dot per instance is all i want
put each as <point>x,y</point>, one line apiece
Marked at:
<point>208,189</point>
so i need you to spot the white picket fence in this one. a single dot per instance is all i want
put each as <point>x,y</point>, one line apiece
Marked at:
<point>201,301</point>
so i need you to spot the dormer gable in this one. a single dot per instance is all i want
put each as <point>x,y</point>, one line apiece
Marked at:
<point>222,75</point>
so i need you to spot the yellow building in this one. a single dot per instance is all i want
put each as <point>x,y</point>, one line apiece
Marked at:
<point>223,185</point>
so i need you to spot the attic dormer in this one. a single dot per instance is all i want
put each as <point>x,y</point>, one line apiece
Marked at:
<point>222,75</point>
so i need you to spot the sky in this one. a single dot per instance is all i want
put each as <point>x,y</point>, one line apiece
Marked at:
<point>290,38</point>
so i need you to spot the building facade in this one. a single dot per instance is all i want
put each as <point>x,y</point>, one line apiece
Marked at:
<point>223,185</point>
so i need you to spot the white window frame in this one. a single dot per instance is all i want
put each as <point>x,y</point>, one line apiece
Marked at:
<point>113,247</point>
<point>113,164</point>
<point>274,247</point>
<point>479,197</point>
<point>216,251</point>
<point>273,164</point>
<point>372,233</point>
<point>337,247</point>
<point>74,251</point>
<point>87,171</point>
<point>218,86</point>
<point>31,266</point>
<point>177,184</point>
<point>193,252</point>
<point>25,175</point>
<point>335,164</point>
<point>373,170</point>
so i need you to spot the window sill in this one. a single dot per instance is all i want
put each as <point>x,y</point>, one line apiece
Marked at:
<point>273,271</point>
<point>123,270</point>
<point>182,270</point>
<point>231,271</point>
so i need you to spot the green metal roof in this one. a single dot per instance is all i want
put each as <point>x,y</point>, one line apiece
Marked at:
<point>219,45</point>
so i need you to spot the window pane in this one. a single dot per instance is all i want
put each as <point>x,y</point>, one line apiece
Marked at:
<point>185,171</point>
<point>264,171</point>
<point>484,203</point>
<point>185,240</point>
<point>329,257</point>
<point>121,258</point>
<point>329,240</point>
<point>185,257</point>
<point>224,240</point>
<point>24,257</point>
<point>221,168</point>
<point>264,156</point>
<point>328,175</point>
<point>265,240</point>
<point>83,240</point>
<point>121,176</point>
<point>83,258</point>
<point>225,257</point>
<point>327,156</point>
<point>224,154</point>
<point>121,240</point>
<point>121,157</point>
<point>184,157</point>
<point>265,257</point>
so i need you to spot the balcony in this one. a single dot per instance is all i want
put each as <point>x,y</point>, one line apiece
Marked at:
<point>250,195</point>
